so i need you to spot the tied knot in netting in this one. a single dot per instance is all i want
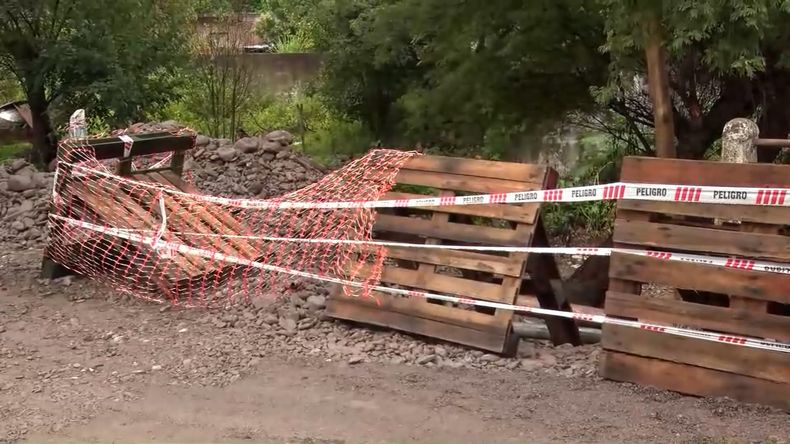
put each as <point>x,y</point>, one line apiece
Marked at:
<point>152,234</point>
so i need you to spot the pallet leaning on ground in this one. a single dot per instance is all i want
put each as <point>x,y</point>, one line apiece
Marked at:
<point>474,275</point>
<point>729,300</point>
<point>128,205</point>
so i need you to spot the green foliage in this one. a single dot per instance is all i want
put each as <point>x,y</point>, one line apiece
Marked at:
<point>601,164</point>
<point>112,57</point>
<point>283,19</point>
<point>294,43</point>
<point>325,135</point>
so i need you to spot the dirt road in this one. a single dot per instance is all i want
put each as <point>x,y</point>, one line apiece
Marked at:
<point>78,364</point>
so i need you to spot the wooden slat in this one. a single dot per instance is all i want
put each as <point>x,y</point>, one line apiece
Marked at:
<point>523,213</point>
<point>144,144</point>
<point>441,313</point>
<point>667,236</point>
<point>754,284</point>
<point>704,173</point>
<point>342,308</point>
<point>764,364</point>
<point>447,284</point>
<point>446,181</point>
<point>218,211</point>
<point>725,319</point>
<point>693,380</point>
<point>187,264</point>
<point>447,231</point>
<point>468,260</point>
<point>183,220</point>
<point>213,225</point>
<point>125,216</point>
<point>480,168</point>
<point>198,264</point>
<point>745,213</point>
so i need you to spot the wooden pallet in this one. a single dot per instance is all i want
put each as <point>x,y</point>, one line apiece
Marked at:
<point>717,299</point>
<point>474,275</point>
<point>136,208</point>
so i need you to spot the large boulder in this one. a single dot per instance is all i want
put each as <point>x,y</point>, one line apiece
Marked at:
<point>280,136</point>
<point>20,182</point>
<point>201,141</point>
<point>227,153</point>
<point>247,145</point>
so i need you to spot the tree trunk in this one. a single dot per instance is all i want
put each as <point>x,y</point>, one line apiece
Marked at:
<point>658,83</point>
<point>775,120</point>
<point>44,146</point>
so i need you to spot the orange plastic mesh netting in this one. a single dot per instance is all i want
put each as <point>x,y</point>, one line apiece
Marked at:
<point>154,236</point>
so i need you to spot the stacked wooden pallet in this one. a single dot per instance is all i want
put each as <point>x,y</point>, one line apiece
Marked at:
<point>727,300</point>
<point>475,275</point>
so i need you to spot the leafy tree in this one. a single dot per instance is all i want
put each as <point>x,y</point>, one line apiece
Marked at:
<point>113,57</point>
<point>465,72</point>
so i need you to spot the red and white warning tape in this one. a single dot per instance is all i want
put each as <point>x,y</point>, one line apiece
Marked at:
<point>171,248</point>
<point>726,262</point>
<point>617,191</point>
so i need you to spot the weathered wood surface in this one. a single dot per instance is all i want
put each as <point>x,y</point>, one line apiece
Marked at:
<point>473,275</point>
<point>725,300</point>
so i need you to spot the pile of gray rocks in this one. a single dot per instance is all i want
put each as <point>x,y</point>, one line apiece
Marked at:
<point>265,166</point>
<point>24,202</point>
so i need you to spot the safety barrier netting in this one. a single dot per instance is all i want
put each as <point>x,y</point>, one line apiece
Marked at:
<point>153,235</point>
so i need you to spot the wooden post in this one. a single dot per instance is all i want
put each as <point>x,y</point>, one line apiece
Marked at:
<point>658,87</point>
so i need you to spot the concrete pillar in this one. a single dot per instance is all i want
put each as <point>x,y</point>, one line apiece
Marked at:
<point>738,141</point>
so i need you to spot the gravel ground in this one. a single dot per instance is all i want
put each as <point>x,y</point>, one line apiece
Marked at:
<point>80,363</point>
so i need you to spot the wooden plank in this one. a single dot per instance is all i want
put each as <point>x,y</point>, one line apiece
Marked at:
<point>446,284</point>
<point>725,319</point>
<point>441,313</point>
<point>764,364</point>
<point>144,144</point>
<point>754,284</point>
<point>532,301</point>
<point>667,236</point>
<point>480,168</point>
<point>219,211</point>
<point>745,213</point>
<point>125,216</point>
<point>131,200</point>
<point>704,173</point>
<point>448,231</point>
<point>214,224</point>
<point>184,220</point>
<point>523,213</point>
<point>455,182</point>
<point>468,260</point>
<point>542,269</point>
<point>342,308</point>
<point>693,380</point>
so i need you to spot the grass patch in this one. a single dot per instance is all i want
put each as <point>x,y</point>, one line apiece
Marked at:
<point>14,151</point>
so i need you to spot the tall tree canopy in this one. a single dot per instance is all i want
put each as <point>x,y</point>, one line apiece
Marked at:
<point>115,57</point>
<point>464,71</point>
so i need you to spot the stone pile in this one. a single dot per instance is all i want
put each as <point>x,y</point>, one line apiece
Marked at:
<point>24,202</point>
<point>263,167</point>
